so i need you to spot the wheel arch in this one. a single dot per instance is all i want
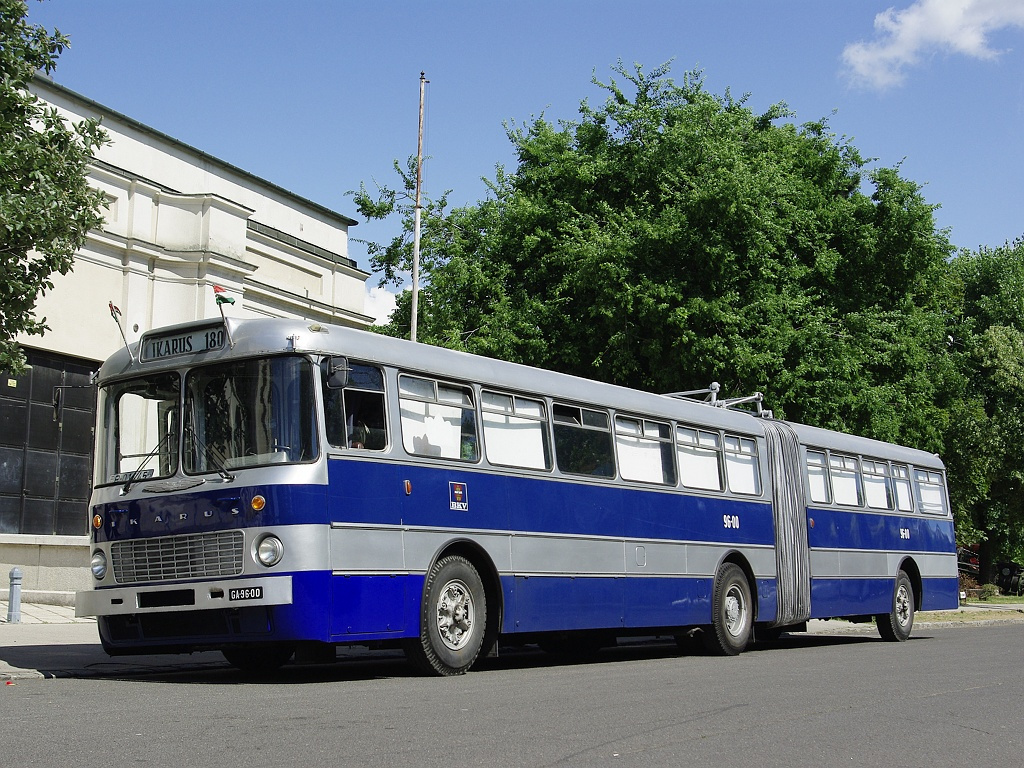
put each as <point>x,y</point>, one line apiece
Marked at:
<point>738,558</point>
<point>484,565</point>
<point>909,566</point>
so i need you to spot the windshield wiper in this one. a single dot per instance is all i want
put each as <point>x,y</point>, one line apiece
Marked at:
<point>207,453</point>
<point>137,472</point>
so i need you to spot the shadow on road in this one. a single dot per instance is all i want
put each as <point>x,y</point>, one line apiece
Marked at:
<point>354,664</point>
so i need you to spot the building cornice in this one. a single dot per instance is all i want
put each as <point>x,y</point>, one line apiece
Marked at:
<point>43,82</point>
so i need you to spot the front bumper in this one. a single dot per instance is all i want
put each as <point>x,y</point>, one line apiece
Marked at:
<point>189,596</point>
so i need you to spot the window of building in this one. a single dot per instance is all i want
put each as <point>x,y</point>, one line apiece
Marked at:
<point>700,464</point>
<point>583,441</point>
<point>645,450</point>
<point>438,418</point>
<point>515,430</point>
<point>45,477</point>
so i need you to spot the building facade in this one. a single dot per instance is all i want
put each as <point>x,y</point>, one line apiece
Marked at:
<point>177,223</point>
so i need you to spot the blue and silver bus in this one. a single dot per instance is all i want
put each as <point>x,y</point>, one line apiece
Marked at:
<point>270,487</point>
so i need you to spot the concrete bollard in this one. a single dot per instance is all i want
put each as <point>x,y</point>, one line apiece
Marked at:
<point>14,597</point>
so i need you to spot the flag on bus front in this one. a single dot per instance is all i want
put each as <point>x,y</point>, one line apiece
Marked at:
<point>219,293</point>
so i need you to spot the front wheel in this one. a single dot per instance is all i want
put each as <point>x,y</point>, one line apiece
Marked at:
<point>732,617</point>
<point>452,620</point>
<point>896,625</point>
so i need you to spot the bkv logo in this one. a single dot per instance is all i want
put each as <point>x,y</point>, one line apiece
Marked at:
<point>458,496</point>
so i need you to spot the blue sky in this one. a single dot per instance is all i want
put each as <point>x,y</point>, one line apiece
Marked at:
<point>319,95</point>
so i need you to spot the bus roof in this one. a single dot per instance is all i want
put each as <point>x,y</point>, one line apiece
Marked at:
<point>252,337</point>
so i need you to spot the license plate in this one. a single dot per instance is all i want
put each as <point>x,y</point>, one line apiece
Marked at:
<point>245,593</point>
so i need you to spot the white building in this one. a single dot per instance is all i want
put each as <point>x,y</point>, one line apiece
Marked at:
<point>178,222</point>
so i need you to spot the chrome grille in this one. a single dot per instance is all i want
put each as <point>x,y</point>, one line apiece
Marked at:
<point>201,555</point>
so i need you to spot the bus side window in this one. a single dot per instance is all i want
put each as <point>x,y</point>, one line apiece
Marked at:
<point>355,415</point>
<point>583,441</point>
<point>877,484</point>
<point>700,463</point>
<point>741,466</point>
<point>901,486</point>
<point>515,431</point>
<point>930,493</point>
<point>846,480</point>
<point>645,450</point>
<point>438,419</point>
<point>817,477</point>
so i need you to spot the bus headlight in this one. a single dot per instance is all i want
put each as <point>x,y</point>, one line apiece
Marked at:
<point>98,564</point>
<point>269,551</point>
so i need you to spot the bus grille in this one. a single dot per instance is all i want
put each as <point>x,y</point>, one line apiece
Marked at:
<point>178,557</point>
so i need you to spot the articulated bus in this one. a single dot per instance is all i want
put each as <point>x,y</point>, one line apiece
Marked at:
<point>270,487</point>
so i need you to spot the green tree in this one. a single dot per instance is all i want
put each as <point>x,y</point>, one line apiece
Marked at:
<point>671,237</point>
<point>987,429</point>
<point>46,207</point>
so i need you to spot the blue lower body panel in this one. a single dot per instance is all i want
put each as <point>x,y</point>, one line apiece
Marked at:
<point>850,597</point>
<point>940,594</point>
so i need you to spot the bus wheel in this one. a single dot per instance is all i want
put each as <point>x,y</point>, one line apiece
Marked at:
<point>896,625</point>
<point>453,619</point>
<point>732,617</point>
<point>258,658</point>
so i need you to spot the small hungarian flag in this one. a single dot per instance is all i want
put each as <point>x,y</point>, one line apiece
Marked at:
<point>221,298</point>
<point>114,311</point>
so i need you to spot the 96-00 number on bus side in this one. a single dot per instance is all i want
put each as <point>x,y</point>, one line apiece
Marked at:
<point>245,593</point>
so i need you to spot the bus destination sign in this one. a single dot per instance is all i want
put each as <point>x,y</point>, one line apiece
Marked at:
<point>183,342</point>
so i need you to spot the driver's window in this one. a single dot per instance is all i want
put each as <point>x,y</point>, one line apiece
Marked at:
<point>355,416</point>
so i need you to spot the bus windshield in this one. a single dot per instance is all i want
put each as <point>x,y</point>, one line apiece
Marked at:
<point>249,413</point>
<point>139,430</point>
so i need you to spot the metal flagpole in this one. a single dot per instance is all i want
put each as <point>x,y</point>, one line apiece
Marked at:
<point>416,219</point>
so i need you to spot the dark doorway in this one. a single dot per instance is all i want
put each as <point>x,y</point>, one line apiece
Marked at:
<point>46,466</point>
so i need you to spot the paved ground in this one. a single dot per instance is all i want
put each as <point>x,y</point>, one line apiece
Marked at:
<point>49,641</point>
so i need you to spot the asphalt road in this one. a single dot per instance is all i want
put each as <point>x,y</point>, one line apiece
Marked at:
<point>951,696</point>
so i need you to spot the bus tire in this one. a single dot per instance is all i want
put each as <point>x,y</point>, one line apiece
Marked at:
<point>896,625</point>
<point>732,613</point>
<point>453,618</point>
<point>258,659</point>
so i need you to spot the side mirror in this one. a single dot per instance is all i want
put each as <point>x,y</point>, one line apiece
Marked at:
<point>58,401</point>
<point>337,372</point>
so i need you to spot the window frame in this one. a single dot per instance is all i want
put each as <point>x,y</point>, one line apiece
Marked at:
<point>543,421</point>
<point>580,430</point>
<point>466,404</point>
<point>647,433</point>
<point>697,448</point>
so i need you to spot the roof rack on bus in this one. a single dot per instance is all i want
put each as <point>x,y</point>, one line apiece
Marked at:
<point>712,398</point>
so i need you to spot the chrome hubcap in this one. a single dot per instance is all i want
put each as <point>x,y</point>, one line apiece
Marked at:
<point>735,611</point>
<point>455,614</point>
<point>903,605</point>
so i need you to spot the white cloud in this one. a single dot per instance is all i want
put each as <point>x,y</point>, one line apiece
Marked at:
<point>928,26</point>
<point>379,304</point>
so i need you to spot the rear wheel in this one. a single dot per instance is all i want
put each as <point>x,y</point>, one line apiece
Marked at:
<point>452,620</point>
<point>732,617</point>
<point>896,625</point>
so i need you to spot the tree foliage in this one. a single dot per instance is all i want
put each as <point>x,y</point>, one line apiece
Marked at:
<point>46,207</point>
<point>671,237</point>
<point>987,429</point>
